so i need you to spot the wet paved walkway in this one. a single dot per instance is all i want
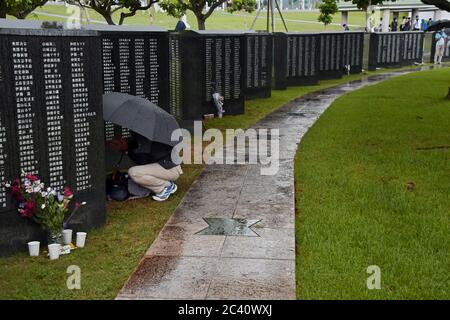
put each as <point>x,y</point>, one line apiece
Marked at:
<point>182,264</point>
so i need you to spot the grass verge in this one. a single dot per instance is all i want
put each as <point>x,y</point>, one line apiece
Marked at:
<point>372,188</point>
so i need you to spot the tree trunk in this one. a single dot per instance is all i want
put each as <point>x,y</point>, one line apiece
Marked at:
<point>201,23</point>
<point>106,15</point>
<point>2,10</point>
<point>108,19</point>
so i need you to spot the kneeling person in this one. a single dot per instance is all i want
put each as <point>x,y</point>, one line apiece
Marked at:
<point>154,168</point>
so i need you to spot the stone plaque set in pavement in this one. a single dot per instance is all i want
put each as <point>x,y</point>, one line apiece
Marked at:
<point>51,124</point>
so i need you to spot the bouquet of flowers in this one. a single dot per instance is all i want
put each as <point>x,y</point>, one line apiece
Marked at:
<point>45,206</point>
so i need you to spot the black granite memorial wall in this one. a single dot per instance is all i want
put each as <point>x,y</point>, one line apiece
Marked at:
<point>296,59</point>
<point>395,49</point>
<point>385,50</point>
<point>331,63</point>
<point>446,56</point>
<point>258,48</point>
<point>412,48</point>
<point>51,124</point>
<point>135,61</point>
<point>201,63</point>
<point>353,51</point>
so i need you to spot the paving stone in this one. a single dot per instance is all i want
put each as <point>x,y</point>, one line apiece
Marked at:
<point>179,241</point>
<point>253,279</point>
<point>271,244</point>
<point>272,216</point>
<point>171,277</point>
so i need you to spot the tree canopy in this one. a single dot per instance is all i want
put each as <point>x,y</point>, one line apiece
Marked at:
<point>327,9</point>
<point>177,8</point>
<point>19,8</point>
<point>106,8</point>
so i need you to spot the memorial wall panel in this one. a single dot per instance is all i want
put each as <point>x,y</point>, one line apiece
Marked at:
<point>203,63</point>
<point>353,51</point>
<point>135,61</point>
<point>395,49</point>
<point>413,48</point>
<point>296,59</point>
<point>50,124</point>
<point>331,55</point>
<point>258,65</point>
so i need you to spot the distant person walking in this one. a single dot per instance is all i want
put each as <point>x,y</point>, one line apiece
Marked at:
<point>181,25</point>
<point>345,27</point>
<point>407,26</point>
<point>440,38</point>
<point>416,25</point>
<point>424,25</point>
<point>402,25</point>
<point>394,25</point>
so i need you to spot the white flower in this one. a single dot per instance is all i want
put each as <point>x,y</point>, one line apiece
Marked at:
<point>7,185</point>
<point>29,190</point>
<point>44,194</point>
<point>83,203</point>
<point>43,206</point>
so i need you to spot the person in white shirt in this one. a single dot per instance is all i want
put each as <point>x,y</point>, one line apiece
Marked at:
<point>440,38</point>
<point>416,26</point>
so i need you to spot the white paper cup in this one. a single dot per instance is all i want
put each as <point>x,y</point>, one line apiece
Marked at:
<point>54,250</point>
<point>67,236</point>
<point>81,239</point>
<point>33,248</point>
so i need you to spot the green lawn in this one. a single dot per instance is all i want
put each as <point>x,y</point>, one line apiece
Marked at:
<point>113,251</point>
<point>366,194</point>
<point>295,20</point>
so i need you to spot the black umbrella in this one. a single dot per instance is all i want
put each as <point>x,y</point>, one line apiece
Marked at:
<point>139,115</point>
<point>438,25</point>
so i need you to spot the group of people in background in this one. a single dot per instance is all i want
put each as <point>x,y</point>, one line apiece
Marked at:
<point>408,25</point>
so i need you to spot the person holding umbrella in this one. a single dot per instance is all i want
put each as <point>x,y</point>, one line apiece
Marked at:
<point>150,146</point>
<point>154,168</point>
<point>440,38</point>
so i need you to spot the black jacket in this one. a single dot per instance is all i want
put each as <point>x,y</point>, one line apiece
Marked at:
<point>143,151</point>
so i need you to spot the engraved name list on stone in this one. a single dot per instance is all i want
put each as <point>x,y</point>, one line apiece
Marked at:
<point>54,114</point>
<point>125,72</point>
<point>153,73</point>
<point>237,69</point>
<point>109,85</point>
<point>82,116</point>
<point>25,99</point>
<point>3,160</point>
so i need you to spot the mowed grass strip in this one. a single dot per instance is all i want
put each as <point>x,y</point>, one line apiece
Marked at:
<point>373,188</point>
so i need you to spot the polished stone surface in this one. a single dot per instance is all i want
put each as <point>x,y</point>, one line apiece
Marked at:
<point>233,234</point>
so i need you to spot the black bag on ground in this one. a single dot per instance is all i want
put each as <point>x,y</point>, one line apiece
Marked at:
<point>117,185</point>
